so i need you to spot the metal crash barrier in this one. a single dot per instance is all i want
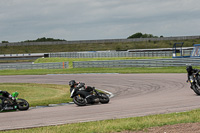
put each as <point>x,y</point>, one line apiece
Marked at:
<point>59,65</point>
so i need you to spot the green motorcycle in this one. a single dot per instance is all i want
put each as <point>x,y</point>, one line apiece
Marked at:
<point>7,104</point>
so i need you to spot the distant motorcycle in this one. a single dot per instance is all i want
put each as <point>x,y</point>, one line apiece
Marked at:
<point>88,95</point>
<point>17,104</point>
<point>194,80</point>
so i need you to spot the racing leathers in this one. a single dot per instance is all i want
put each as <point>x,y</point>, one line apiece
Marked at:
<point>6,94</point>
<point>85,91</point>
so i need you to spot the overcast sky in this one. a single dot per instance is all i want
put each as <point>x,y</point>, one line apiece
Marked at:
<point>22,20</point>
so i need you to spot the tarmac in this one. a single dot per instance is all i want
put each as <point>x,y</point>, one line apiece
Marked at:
<point>134,95</point>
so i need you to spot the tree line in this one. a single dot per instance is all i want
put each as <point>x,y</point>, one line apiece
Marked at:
<point>44,39</point>
<point>140,35</point>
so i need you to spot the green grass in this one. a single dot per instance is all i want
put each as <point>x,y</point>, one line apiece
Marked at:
<point>118,125</point>
<point>96,70</point>
<point>94,47</point>
<point>39,94</point>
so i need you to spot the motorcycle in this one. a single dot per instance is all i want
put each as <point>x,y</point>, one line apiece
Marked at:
<point>8,104</point>
<point>194,80</point>
<point>88,95</point>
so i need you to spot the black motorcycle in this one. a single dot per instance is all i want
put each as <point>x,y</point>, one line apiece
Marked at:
<point>88,95</point>
<point>8,104</point>
<point>194,80</point>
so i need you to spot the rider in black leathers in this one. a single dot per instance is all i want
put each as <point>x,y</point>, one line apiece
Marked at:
<point>190,72</point>
<point>6,94</point>
<point>73,84</point>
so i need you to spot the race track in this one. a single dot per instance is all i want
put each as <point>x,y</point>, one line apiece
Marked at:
<point>135,95</point>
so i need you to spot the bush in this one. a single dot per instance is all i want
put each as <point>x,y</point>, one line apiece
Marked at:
<point>4,42</point>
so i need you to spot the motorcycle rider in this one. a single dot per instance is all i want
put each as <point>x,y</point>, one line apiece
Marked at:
<point>73,84</point>
<point>191,71</point>
<point>6,94</point>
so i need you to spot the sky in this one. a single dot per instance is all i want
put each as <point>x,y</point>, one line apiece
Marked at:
<point>22,20</point>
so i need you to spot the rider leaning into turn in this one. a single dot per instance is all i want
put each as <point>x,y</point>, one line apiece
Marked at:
<point>6,94</point>
<point>73,84</point>
<point>191,71</point>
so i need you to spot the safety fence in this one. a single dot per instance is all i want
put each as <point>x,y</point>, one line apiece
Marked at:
<point>112,54</point>
<point>138,63</point>
<point>27,56</point>
<point>116,54</point>
<point>59,65</point>
<point>95,54</point>
<point>108,64</point>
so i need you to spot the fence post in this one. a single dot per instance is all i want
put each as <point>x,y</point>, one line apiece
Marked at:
<point>63,65</point>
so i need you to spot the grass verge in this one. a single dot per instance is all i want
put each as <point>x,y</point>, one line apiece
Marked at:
<point>118,125</point>
<point>39,94</point>
<point>94,46</point>
<point>96,70</point>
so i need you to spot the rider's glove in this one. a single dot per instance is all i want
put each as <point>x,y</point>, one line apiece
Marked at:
<point>11,97</point>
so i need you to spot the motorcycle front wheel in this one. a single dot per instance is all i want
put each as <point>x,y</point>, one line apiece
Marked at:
<point>22,104</point>
<point>79,100</point>
<point>103,98</point>
<point>196,89</point>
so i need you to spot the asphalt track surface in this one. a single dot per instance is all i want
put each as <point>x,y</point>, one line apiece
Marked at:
<point>135,95</point>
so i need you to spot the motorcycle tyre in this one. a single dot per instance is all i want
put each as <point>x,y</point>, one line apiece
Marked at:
<point>103,98</point>
<point>84,103</point>
<point>196,90</point>
<point>1,108</point>
<point>22,108</point>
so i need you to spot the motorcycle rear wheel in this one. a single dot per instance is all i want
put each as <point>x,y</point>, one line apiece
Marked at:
<point>79,100</point>
<point>22,104</point>
<point>103,98</point>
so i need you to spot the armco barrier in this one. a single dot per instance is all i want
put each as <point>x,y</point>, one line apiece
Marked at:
<point>60,65</point>
<point>138,63</point>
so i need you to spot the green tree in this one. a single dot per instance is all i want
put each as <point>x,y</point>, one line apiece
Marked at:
<point>44,39</point>
<point>140,35</point>
<point>136,35</point>
<point>147,36</point>
<point>4,42</point>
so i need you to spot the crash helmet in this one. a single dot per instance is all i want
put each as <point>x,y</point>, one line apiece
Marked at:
<point>189,68</point>
<point>72,83</point>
